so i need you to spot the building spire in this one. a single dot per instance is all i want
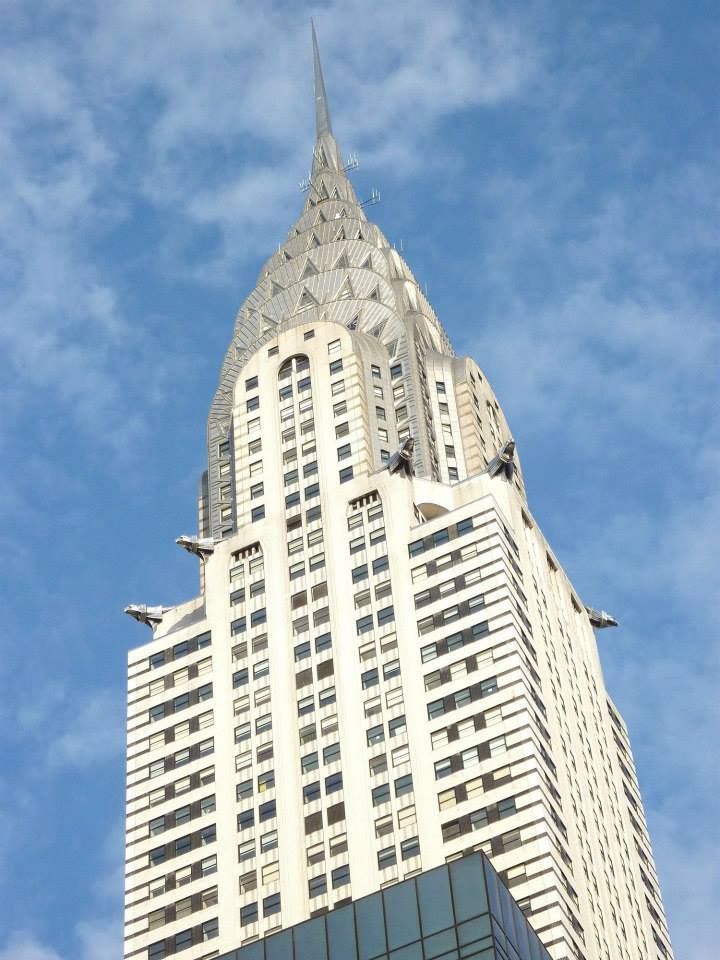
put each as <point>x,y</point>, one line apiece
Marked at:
<point>322,112</point>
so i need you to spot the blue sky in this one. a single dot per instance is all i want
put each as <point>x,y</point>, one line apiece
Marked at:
<point>552,172</point>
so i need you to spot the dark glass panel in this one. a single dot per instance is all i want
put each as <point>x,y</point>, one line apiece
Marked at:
<point>412,952</point>
<point>440,944</point>
<point>310,940</point>
<point>474,930</point>
<point>468,887</point>
<point>279,946</point>
<point>341,934</point>
<point>401,913</point>
<point>435,904</point>
<point>370,926</point>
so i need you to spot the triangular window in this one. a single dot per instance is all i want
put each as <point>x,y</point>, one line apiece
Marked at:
<point>286,255</point>
<point>342,261</point>
<point>354,322</point>
<point>306,300</point>
<point>343,213</point>
<point>275,288</point>
<point>367,263</point>
<point>321,157</point>
<point>374,294</point>
<point>309,271</point>
<point>378,329</point>
<point>360,235</point>
<point>340,235</point>
<point>320,218</point>
<point>346,291</point>
<point>335,194</point>
<point>323,191</point>
<point>313,241</point>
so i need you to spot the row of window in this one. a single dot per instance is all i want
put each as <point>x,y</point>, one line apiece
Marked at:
<point>183,908</point>
<point>181,649</point>
<point>455,641</point>
<point>181,702</point>
<point>178,759</point>
<point>181,815</point>
<point>402,785</point>
<point>182,845</point>
<point>207,930</point>
<point>460,698</point>
<point>409,848</point>
<point>479,818</point>
<point>270,906</point>
<point>383,616</point>
<point>439,537</point>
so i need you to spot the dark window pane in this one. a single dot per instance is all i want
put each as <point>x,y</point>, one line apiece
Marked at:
<point>468,887</point>
<point>435,903</point>
<point>310,939</point>
<point>401,914</point>
<point>440,944</point>
<point>341,934</point>
<point>370,927</point>
<point>413,952</point>
<point>279,946</point>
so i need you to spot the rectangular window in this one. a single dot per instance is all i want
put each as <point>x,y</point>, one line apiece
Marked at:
<point>410,848</point>
<point>257,513</point>
<point>386,858</point>
<point>346,474</point>
<point>381,794</point>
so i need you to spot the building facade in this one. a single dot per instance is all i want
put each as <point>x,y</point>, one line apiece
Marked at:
<point>458,911</point>
<point>386,668</point>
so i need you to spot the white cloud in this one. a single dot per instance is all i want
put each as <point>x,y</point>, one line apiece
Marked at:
<point>23,946</point>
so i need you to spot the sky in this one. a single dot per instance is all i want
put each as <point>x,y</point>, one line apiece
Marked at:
<point>552,172</point>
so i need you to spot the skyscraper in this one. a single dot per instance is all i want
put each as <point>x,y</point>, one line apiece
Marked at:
<point>386,667</point>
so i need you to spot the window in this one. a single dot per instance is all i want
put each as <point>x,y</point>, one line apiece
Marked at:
<point>257,513</point>
<point>208,865</point>
<point>344,451</point>
<point>258,617</point>
<point>396,725</point>
<point>403,785</point>
<point>246,819</point>
<point>381,794</point>
<point>268,841</point>
<point>377,765</point>
<point>386,615</point>
<point>364,624</point>
<point>346,474</point>
<point>386,858</point>
<point>251,383</point>
<point>375,735</point>
<point>370,678</point>
<point>317,886</point>
<point>261,669</point>
<point>391,669</point>
<point>302,651</point>
<point>410,848</point>
<point>337,387</point>
<point>400,755</point>
<point>331,753</point>
<point>335,367</point>
<point>323,642</point>
<point>326,697</point>
<point>333,783</point>
<point>248,914</point>
<point>306,705</point>
<point>267,811</point>
<point>340,876</point>
<point>271,905</point>
<point>380,564</point>
<point>246,851</point>
<point>252,404</point>
<point>342,429</point>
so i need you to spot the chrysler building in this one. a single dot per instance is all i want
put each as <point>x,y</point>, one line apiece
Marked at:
<point>386,670</point>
